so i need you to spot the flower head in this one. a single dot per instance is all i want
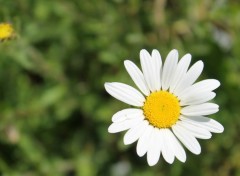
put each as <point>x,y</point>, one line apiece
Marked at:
<point>171,110</point>
<point>6,31</point>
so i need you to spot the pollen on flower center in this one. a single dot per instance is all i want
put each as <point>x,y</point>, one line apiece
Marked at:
<point>162,109</point>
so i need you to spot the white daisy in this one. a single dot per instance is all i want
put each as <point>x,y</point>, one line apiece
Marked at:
<point>172,107</point>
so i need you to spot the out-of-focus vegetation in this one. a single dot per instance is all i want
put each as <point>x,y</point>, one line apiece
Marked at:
<point>54,111</point>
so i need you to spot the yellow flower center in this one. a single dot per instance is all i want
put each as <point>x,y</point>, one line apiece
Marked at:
<point>6,31</point>
<point>162,109</point>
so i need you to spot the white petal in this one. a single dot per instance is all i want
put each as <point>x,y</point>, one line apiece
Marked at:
<point>179,152</point>
<point>191,76</point>
<point>125,125</point>
<point>148,68</point>
<point>207,85</point>
<point>158,67</point>
<point>134,133</point>
<point>169,68</point>
<point>204,122</point>
<point>187,139</point>
<point>180,71</point>
<point>196,131</point>
<point>154,150</point>
<point>200,110</point>
<point>143,142</point>
<point>136,76</point>
<point>126,114</point>
<point>167,150</point>
<point>125,93</point>
<point>198,98</point>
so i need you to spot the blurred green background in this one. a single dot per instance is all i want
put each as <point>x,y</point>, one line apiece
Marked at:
<point>54,111</point>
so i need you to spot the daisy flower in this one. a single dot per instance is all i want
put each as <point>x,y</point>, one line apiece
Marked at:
<point>171,110</point>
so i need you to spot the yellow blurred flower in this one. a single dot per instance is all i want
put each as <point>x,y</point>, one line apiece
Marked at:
<point>6,31</point>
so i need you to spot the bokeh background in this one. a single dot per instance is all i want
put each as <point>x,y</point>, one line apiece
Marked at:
<point>54,111</point>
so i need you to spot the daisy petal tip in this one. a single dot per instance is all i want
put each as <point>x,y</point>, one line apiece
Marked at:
<point>126,141</point>
<point>113,129</point>
<point>174,52</point>
<point>110,129</point>
<point>155,51</point>
<point>140,153</point>
<point>127,62</point>
<point>171,162</point>
<point>106,85</point>
<point>187,59</point>
<point>183,160</point>
<point>216,106</point>
<point>151,163</point>
<point>210,136</point>
<point>201,64</point>
<point>143,51</point>
<point>197,152</point>
<point>220,128</point>
<point>217,83</point>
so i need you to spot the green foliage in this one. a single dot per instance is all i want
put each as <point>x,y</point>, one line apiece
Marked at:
<point>54,111</point>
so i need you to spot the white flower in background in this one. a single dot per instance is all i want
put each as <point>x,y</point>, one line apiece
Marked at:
<point>172,107</point>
